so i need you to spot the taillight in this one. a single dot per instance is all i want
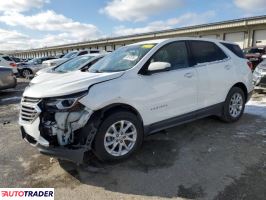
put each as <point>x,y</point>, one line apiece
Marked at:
<point>13,64</point>
<point>250,65</point>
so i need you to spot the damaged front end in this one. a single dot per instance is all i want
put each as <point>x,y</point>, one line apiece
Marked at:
<point>61,127</point>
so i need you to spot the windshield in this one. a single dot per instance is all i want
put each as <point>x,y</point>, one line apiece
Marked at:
<point>73,64</point>
<point>122,59</point>
<point>70,55</point>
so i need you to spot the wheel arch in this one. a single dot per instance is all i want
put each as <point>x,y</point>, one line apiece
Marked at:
<point>243,87</point>
<point>108,110</point>
<point>99,115</point>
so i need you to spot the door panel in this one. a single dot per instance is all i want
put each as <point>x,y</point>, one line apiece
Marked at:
<point>215,72</point>
<point>215,79</point>
<point>169,93</point>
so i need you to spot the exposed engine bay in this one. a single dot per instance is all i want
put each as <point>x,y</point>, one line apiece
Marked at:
<point>64,124</point>
<point>62,118</point>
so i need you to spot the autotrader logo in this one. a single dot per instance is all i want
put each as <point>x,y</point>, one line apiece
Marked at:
<point>27,193</point>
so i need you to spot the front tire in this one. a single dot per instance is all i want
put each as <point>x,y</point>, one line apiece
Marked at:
<point>234,105</point>
<point>118,137</point>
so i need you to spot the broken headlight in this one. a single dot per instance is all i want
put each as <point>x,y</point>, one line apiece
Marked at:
<point>65,103</point>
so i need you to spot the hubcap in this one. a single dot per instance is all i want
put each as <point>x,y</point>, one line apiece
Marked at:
<point>120,138</point>
<point>236,105</point>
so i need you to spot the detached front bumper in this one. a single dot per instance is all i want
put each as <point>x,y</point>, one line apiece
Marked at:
<point>71,154</point>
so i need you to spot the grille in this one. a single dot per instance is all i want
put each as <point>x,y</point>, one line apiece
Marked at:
<point>29,109</point>
<point>30,100</point>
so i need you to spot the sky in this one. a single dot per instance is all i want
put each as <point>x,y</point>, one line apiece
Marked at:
<point>26,24</point>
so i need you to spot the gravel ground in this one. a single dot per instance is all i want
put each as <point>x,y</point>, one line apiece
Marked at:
<point>205,159</point>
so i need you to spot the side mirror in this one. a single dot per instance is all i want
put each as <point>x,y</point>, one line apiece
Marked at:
<point>158,66</point>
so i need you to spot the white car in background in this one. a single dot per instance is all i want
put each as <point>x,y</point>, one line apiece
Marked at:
<point>79,63</point>
<point>30,68</point>
<point>6,61</point>
<point>135,91</point>
<point>70,55</point>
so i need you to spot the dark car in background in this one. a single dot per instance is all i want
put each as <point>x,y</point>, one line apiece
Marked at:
<point>255,54</point>
<point>7,78</point>
<point>31,67</point>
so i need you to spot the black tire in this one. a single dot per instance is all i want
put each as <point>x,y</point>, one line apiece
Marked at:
<point>99,148</point>
<point>26,71</point>
<point>226,116</point>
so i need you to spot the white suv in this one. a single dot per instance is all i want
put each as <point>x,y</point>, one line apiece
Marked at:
<point>135,91</point>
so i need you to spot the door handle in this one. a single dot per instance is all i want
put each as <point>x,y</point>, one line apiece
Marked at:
<point>227,67</point>
<point>188,75</point>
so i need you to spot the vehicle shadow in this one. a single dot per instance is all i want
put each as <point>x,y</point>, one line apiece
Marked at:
<point>187,161</point>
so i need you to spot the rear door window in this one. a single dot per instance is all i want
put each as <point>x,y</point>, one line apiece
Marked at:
<point>204,52</point>
<point>235,49</point>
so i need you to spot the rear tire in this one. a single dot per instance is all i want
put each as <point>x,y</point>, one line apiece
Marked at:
<point>234,105</point>
<point>118,137</point>
<point>26,73</point>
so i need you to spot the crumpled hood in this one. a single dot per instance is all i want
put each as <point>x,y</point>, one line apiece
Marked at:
<point>67,83</point>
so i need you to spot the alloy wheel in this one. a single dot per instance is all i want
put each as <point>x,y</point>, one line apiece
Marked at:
<point>236,105</point>
<point>120,138</point>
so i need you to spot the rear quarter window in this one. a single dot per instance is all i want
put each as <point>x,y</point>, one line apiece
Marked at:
<point>235,49</point>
